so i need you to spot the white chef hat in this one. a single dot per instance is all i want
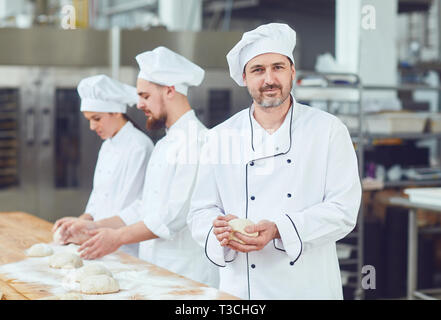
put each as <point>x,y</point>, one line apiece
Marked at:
<point>165,67</point>
<point>268,38</point>
<point>101,93</point>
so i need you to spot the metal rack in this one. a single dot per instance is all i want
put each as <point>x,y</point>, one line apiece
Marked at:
<point>8,138</point>
<point>350,264</point>
<point>361,138</point>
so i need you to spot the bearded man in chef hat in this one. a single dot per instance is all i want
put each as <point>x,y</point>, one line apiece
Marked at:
<point>298,210</point>
<point>158,220</point>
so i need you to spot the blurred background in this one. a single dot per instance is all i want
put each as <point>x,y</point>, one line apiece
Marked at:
<point>375,64</point>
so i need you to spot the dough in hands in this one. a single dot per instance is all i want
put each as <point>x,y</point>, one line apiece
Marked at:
<point>79,238</point>
<point>65,260</point>
<point>238,225</point>
<point>99,284</point>
<point>91,270</point>
<point>57,237</point>
<point>39,250</point>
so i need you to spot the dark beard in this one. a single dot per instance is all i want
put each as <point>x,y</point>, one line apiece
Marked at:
<point>155,123</point>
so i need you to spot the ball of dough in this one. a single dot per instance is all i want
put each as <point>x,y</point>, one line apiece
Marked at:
<point>238,225</point>
<point>65,260</point>
<point>91,270</point>
<point>99,284</point>
<point>39,250</point>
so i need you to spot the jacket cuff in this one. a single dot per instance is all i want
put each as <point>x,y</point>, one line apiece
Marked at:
<point>217,254</point>
<point>129,216</point>
<point>278,244</point>
<point>290,238</point>
<point>155,225</point>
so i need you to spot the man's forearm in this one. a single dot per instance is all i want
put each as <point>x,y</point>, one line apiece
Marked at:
<point>135,233</point>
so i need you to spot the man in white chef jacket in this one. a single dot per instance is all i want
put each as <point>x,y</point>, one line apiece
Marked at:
<point>158,220</point>
<point>122,158</point>
<point>289,168</point>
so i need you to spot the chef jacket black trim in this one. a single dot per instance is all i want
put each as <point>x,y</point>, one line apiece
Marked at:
<point>290,133</point>
<point>206,243</point>
<point>301,242</point>
<point>206,254</point>
<point>275,247</point>
<point>246,176</point>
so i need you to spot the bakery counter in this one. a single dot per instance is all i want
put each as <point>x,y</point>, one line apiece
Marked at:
<point>30,278</point>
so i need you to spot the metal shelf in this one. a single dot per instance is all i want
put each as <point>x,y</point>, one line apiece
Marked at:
<point>410,183</point>
<point>363,138</point>
<point>406,136</point>
<point>345,262</point>
<point>403,87</point>
<point>356,86</point>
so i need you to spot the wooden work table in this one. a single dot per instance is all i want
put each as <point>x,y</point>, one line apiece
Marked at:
<point>19,231</point>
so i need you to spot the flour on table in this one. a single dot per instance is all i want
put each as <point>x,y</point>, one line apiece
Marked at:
<point>136,281</point>
<point>64,296</point>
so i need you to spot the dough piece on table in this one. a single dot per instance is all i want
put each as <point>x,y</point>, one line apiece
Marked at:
<point>1,295</point>
<point>65,296</point>
<point>238,225</point>
<point>65,260</point>
<point>99,284</point>
<point>39,250</point>
<point>91,270</point>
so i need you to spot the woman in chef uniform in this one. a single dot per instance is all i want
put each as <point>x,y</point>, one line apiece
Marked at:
<point>122,160</point>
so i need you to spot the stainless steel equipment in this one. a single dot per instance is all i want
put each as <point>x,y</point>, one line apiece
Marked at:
<point>47,151</point>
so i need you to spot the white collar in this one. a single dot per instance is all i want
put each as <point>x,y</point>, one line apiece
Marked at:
<point>119,137</point>
<point>264,144</point>
<point>181,122</point>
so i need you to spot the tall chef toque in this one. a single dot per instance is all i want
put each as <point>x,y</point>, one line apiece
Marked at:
<point>165,67</point>
<point>268,38</point>
<point>103,94</point>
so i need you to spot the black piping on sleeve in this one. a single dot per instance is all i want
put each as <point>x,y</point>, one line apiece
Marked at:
<point>301,242</point>
<point>206,243</point>
<point>275,247</point>
<point>227,261</point>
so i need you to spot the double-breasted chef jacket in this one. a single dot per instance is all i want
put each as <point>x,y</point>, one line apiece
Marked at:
<point>304,177</point>
<point>171,175</point>
<point>119,175</point>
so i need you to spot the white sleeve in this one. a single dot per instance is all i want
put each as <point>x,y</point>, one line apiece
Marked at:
<point>131,188</point>
<point>336,216</point>
<point>167,215</point>
<point>133,213</point>
<point>93,202</point>
<point>206,205</point>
